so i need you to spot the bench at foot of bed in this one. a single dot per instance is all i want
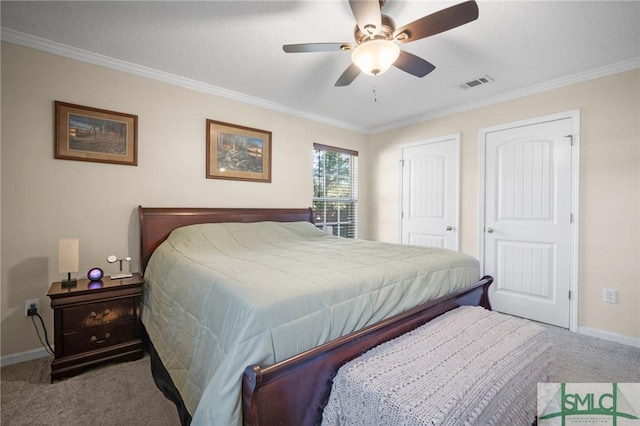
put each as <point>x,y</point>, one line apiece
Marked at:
<point>468,366</point>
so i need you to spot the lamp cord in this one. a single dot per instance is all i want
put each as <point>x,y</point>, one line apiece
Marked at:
<point>46,338</point>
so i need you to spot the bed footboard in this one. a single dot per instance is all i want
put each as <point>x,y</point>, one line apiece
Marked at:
<point>294,392</point>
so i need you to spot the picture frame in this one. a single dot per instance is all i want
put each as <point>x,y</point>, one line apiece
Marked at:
<point>237,152</point>
<point>91,134</point>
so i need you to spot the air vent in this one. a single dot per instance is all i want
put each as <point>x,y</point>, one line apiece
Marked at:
<point>485,79</point>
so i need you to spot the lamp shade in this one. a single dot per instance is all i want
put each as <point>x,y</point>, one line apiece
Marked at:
<point>68,255</point>
<point>374,57</point>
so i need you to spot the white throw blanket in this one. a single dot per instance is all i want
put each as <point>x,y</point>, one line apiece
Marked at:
<point>468,366</point>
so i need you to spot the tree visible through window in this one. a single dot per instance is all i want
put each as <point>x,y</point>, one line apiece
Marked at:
<point>335,189</point>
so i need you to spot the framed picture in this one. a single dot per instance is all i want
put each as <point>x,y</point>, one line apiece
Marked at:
<point>92,134</point>
<point>237,152</point>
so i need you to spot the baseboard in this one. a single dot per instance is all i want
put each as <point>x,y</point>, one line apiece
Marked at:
<point>23,356</point>
<point>612,337</point>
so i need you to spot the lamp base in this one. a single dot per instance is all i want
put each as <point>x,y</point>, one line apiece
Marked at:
<point>69,283</point>
<point>121,276</point>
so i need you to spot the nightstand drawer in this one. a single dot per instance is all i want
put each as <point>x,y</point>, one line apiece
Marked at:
<point>97,338</point>
<point>97,314</point>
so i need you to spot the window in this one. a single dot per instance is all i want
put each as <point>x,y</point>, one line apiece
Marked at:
<point>335,189</point>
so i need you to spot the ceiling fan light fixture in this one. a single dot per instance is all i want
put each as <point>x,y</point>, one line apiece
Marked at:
<point>374,57</point>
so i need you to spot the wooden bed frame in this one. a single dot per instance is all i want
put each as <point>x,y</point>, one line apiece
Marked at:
<point>294,391</point>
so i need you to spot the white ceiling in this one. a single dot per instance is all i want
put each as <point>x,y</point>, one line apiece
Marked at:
<point>234,48</point>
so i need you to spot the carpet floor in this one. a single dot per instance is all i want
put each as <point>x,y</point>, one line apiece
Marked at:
<point>124,394</point>
<point>586,359</point>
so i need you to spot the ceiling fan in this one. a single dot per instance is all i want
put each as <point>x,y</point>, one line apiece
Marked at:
<point>376,39</point>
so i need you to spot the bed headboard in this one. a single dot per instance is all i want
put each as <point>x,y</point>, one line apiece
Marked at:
<point>156,223</point>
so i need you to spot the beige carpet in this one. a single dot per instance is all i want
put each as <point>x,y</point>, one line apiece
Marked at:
<point>120,394</point>
<point>124,394</point>
<point>586,359</point>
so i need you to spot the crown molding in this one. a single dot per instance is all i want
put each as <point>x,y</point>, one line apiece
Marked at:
<point>66,51</point>
<point>520,93</point>
<point>60,49</point>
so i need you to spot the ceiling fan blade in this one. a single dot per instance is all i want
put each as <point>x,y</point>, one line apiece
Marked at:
<point>438,22</point>
<point>367,14</point>
<point>413,64</point>
<point>348,75</point>
<point>316,47</point>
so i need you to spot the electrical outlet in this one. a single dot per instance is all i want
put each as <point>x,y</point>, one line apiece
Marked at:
<point>610,295</point>
<point>29,304</point>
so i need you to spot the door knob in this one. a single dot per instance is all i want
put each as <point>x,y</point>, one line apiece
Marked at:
<point>490,230</point>
<point>449,228</point>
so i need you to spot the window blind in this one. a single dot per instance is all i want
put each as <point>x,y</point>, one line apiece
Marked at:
<point>335,189</point>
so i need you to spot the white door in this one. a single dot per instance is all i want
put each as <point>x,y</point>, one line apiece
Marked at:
<point>528,219</point>
<point>430,192</point>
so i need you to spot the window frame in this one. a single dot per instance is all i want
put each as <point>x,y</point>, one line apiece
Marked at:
<point>350,222</point>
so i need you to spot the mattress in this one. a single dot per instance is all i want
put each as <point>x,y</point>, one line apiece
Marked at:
<point>219,297</point>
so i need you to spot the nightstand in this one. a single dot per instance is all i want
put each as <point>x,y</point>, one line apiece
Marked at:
<point>94,322</point>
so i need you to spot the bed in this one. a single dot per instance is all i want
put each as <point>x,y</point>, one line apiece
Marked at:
<point>288,366</point>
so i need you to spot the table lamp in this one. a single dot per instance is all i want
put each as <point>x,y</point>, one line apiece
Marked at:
<point>68,259</point>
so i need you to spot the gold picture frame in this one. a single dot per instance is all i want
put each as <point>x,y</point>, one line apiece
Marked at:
<point>92,134</point>
<point>237,152</point>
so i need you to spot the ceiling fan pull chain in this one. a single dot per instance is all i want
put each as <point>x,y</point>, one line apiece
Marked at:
<point>375,95</point>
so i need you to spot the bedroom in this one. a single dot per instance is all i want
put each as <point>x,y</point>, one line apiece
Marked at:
<point>44,199</point>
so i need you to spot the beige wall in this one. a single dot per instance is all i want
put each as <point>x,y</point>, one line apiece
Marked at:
<point>609,186</point>
<point>44,199</point>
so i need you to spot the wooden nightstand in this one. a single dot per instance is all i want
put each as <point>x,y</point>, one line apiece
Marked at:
<point>94,322</point>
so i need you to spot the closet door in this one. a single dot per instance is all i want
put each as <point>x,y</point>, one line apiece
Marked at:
<point>430,200</point>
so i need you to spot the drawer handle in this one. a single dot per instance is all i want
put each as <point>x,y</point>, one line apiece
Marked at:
<point>99,316</point>
<point>95,340</point>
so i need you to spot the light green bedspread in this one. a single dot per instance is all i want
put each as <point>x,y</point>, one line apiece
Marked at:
<point>219,297</point>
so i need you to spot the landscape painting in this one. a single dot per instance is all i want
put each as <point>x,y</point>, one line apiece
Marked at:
<point>92,134</point>
<point>97,135</point>
<point>237,152</point>
<point>240,153</point>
